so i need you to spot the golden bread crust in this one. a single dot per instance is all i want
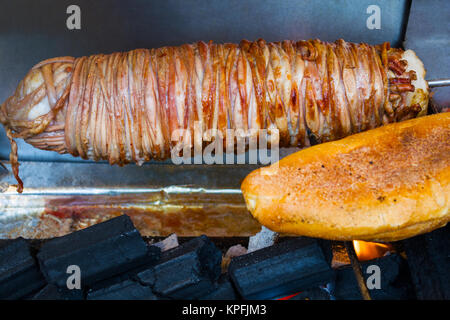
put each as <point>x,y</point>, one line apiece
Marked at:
<point>385,184</point>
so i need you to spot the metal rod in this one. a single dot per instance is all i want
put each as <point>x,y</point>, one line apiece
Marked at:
<point>357,270</point>
<point>439,83</point>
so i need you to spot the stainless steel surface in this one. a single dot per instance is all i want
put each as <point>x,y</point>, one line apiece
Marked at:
<point>439,83</point>
<point>161,199</point>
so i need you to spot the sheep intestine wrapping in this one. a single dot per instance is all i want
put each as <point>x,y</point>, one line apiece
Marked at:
<point>124,107</point>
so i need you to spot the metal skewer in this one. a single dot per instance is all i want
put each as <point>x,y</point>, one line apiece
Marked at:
<point>438,83</point>
<point>357,270</point>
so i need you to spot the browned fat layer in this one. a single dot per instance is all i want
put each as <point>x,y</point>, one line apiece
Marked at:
<point>400,80</point>
<point>135,82</point>
<point>374,95</point>
<point>326,108</point>
<point>214,88</point>
<point>354,66</point>
<point>114,118</point>
<point>252,53</point>
<point>72,106</point>
<point>348,64</point>
<point>396,65</point>
<point>242,84</point>
<point>125,107</point>
<point>161,70</point>
<point>330,93</point>
<point>84,86</point>
<point>294,94</point>
<point>222,122</point>
<point>401,87</point>
<point>365,86</point>
<point>383,71</point>
<point>170,87</point>
<point>87,110</point>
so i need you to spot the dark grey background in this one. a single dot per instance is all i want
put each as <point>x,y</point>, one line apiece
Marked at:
<point>31,31</point>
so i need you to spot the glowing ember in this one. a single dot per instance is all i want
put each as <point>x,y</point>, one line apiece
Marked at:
<point>289,296</point>
<point>370,250</point>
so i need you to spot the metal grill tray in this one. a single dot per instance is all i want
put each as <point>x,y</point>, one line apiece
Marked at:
<point>161,199</point>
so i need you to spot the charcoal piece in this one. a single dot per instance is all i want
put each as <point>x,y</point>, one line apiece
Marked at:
<point>19,273</point>
<point>52,292</point>
<point>125,282</point>
<point>224,290</point>
<point>49,292</point>
<point>279,270</point>
<point>100,251</point>
<point>185,272</point>
<point>428,259</point>
<point>327,249</point>
<point>152,257</point>
<point>394,280</point>
<point>316,293</point>
<point>124,290</point>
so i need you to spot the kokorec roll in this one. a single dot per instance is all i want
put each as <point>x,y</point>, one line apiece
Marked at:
<point>124,107</point>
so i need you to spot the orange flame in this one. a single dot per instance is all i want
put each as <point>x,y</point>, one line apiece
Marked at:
<point>370,250</point>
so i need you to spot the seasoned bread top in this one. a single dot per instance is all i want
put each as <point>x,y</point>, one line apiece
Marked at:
<point>384,184</point>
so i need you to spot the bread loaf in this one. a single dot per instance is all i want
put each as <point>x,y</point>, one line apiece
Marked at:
<point>384,184</point>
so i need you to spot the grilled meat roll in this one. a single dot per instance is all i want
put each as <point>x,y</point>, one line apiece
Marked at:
<point>125,107</point>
